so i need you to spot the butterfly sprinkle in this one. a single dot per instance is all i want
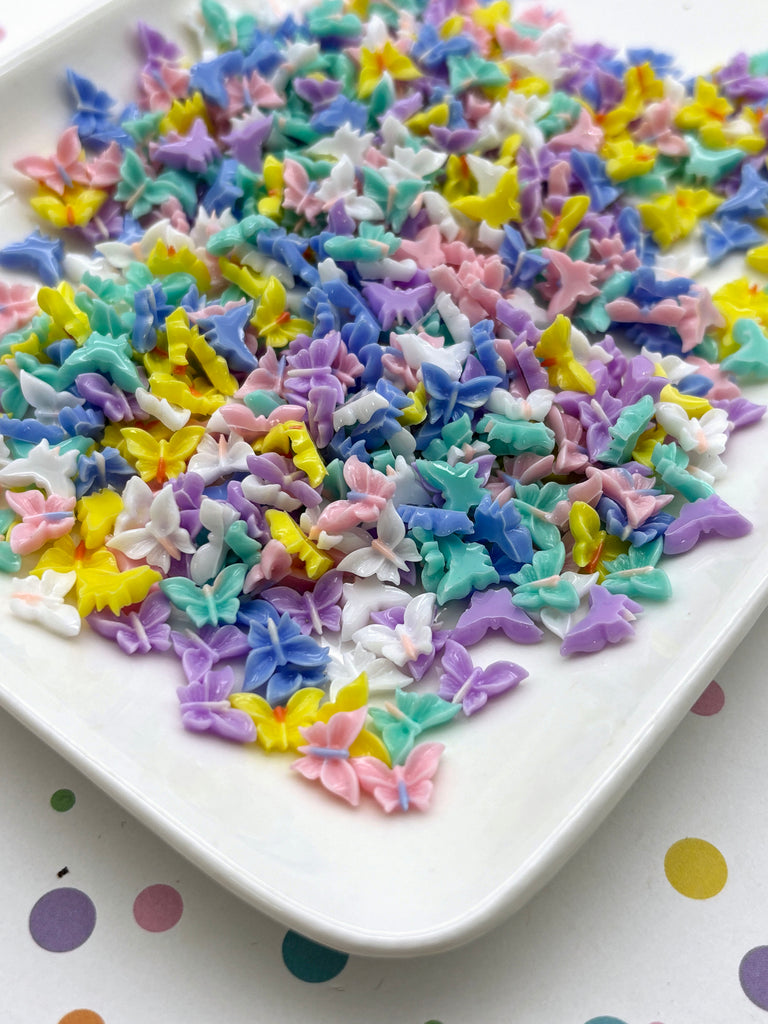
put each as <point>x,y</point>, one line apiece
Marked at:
<point>320,390</point>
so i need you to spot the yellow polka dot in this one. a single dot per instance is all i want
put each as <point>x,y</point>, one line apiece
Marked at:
<point>695,868</point>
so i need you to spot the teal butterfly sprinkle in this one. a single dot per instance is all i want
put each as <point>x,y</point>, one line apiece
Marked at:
<point>459,484</point>
<point>625,432</point>
<point>228,31</point>
<point>243,546</point>
<point>539,585</point>
<point>471,71</point>
<point>671,462</point>
<point>329,19</point>
<point>213,603</point>
<point>401,723</point>
<point>140,193</point>
<point>395,200</point>
<point>515,437</point>
<point>534,503</point>
<point>453,569</point>
<point>635,574</point>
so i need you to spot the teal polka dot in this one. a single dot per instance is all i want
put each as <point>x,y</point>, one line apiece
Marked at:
<point>605,1020</point>
<point>309,961</point>
<point>63,800</point>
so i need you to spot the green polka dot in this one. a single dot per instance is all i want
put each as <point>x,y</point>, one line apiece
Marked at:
<point>309,961</point>
<point>63,800</point>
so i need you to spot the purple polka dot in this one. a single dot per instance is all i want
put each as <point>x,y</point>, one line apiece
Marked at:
<point>158,908</point>
<point>62,920</point>
<point>711,701</point>
<point>753,975</point>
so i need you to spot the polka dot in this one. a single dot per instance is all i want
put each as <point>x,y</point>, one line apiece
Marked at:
<point>158,908</point>
<point>711,701</point>
<point>309,961</point>
<point>605,1020</point>
<point>62,920</point>
<point>81,1017</point>
<point>63,800</point>
<point>695,868</point>
<point>753,975</point>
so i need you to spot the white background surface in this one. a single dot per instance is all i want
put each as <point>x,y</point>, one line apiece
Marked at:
<point>609,936</point>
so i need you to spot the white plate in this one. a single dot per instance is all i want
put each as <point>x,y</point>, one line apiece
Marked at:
<point>520,786</point>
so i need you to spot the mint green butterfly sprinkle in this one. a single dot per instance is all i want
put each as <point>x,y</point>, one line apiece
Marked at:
<point>213,603</point>
<point>540,585</point>
<point>635,574</point>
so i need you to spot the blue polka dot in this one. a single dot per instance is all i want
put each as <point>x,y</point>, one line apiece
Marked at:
<point>309,961</point>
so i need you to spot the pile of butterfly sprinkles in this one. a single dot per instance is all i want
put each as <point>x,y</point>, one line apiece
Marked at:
<point>338,366</point>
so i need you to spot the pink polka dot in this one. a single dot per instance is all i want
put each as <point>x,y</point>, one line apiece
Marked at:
<point>158,908</point>
<point>711,701</point>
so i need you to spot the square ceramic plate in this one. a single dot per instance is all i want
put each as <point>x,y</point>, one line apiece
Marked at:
<point>520,787</point>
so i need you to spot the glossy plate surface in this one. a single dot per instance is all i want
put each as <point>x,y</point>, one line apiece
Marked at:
<point>520,787</point>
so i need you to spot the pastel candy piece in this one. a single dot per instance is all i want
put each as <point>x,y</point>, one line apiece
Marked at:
<point>608,621</point>
<point>710,516</point>
<point>492,610</point>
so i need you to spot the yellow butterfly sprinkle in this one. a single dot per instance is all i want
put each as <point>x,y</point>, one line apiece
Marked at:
<point>556,355</point>
<point>163,261</point>
<point>69,320</point>
<point>161,460</point>
<point>76,207</point>
<point>692,405</point>
<point>293,437</point>
<point>295,542</point>
<point>278,728</point>
<point>96,514</point>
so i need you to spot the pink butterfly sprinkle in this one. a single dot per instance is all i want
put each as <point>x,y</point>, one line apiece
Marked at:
<point>104,170</point>
<point>369,492</point>
<point>60,171</point>
<point>326,755</point>
<point>17,306</point>
<point>404,786</point>
<point>43,519</point>
<point>270,376</point>
<point>174,211</point>
<point>426,247</point>
<point>240,419</point>
<point>254,91</point>
<point>275,563</point>
<point>299,194</point>
<point>163,85</point>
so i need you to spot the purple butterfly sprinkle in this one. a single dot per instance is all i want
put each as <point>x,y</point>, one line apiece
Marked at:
<point>608,621</point>
<point>466,684</point>
<point>493,610</point>
<point>137,631</point>
<point>188,489</point>
<point>710,516</point>
<point>205,708</point>
<point>245,141</point>
<point>317,92</point>
<point>191,152</point>
<point>200,651</point>
<point>99,391</point>
<point>314,611</point>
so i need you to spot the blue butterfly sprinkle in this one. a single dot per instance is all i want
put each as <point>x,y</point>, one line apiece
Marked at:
<point>103,469</point>
<point>208,77</point>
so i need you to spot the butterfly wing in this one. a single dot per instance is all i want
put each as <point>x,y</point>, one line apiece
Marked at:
<point>418,772</point>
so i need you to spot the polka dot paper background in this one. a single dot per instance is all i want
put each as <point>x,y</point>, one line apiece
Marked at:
<point>661,918</point>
